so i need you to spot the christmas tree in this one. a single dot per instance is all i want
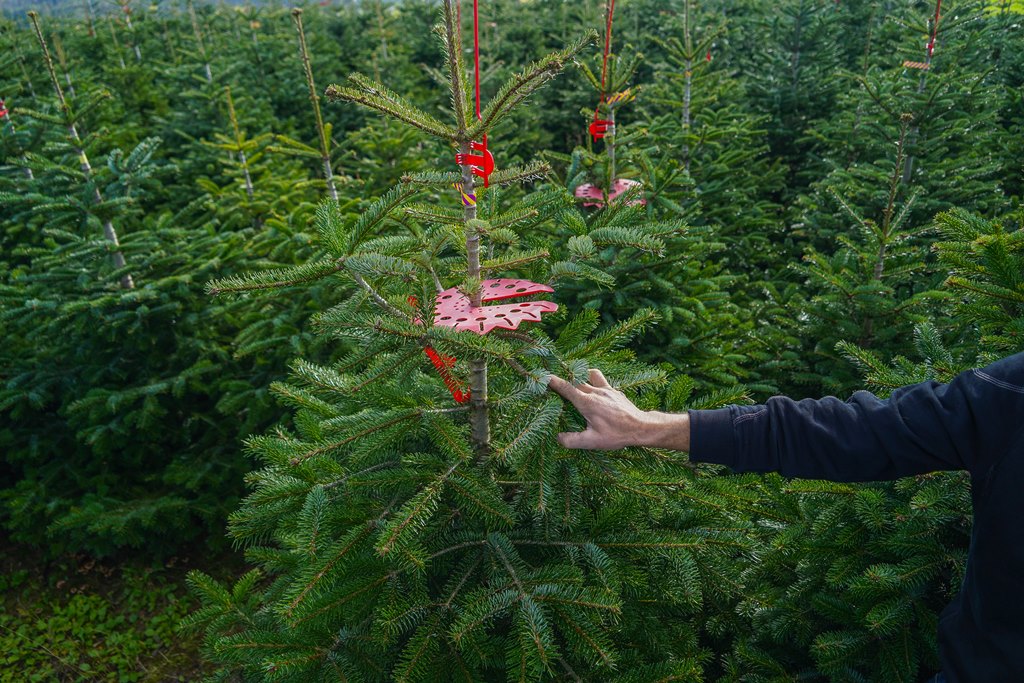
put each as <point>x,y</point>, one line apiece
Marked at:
<point>401,535</point>
<point>113,428</point>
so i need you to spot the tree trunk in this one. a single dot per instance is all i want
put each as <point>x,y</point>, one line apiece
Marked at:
<point>480,428</point>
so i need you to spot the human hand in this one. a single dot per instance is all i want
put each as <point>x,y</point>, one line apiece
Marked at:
<point>613,421</point>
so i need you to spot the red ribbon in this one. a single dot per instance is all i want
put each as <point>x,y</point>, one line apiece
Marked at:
<point>443,364</point>
<point>935,28</point>
<point>482,163</point>
<point>600,126</point>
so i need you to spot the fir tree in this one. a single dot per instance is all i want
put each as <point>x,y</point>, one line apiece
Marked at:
<point>790,56</point>
<point>71,123</point>
<point>876,285</point>
<point>851,586</point>
<point>131,390</point>
<point>699,112</point>
<point>406,538</point>
<point>637,234</point>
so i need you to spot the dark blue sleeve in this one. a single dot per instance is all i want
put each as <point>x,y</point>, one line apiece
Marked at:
<point>920,428</point>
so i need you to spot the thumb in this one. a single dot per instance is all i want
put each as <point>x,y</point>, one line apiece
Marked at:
<point>575,439</point>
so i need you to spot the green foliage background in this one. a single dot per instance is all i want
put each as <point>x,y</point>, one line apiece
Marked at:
<point>821,219</point>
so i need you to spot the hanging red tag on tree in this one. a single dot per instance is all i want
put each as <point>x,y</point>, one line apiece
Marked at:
<point>453,309</point>
<point>480,159</point>
<point>593,196</point>
<point>599,127</point>
<point>482,162</point>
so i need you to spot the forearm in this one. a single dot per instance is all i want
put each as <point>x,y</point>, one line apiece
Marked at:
<point>920,428</point>
<point>666,430</point>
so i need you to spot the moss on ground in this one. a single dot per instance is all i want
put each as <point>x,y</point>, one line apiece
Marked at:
<point>82,619</point>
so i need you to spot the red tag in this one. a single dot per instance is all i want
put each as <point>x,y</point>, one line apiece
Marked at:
<point>482,163</point>
<point>592,195</point>
<point>453,309</point>
<point>599,128</point>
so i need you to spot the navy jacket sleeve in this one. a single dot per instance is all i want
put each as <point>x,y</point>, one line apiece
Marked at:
<point>920,428</point>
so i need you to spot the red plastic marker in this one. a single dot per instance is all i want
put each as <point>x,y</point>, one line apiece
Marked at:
<point>482,163</point>
<point>599,127</point>
<point>454,309</point>
<point>592,195</point>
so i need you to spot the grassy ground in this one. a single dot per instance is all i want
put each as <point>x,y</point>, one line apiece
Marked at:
<point>80,619</point>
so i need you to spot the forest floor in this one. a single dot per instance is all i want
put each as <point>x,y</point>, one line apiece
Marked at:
<point>76,618</point>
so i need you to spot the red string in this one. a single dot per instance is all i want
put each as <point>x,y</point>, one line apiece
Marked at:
<point>476,55</point>
<point>598,128</point>
<point>607,45</point>
<point>935,28</point>
<point>476,62</point>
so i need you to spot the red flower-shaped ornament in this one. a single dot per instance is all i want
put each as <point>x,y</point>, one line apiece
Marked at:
<point>453,309</point>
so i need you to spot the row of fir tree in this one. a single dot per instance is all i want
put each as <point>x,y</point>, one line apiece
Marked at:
<point>213,279</point>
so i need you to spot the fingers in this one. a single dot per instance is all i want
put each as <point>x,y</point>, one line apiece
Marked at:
<point>564,389</point>
<point>597,378</point>
<point>582,439</point>
<point>570,392</point>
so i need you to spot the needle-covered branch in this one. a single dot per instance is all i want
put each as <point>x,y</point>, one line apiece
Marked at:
<point>275,279</point>
<point>373,95</point>
<point>520,174</point>
<point>524,84</point>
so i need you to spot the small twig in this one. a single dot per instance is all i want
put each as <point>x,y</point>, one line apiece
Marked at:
<point>339,482</point>
<point>325,155</point>
<point>568,669</point>
<point>381,301</point>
